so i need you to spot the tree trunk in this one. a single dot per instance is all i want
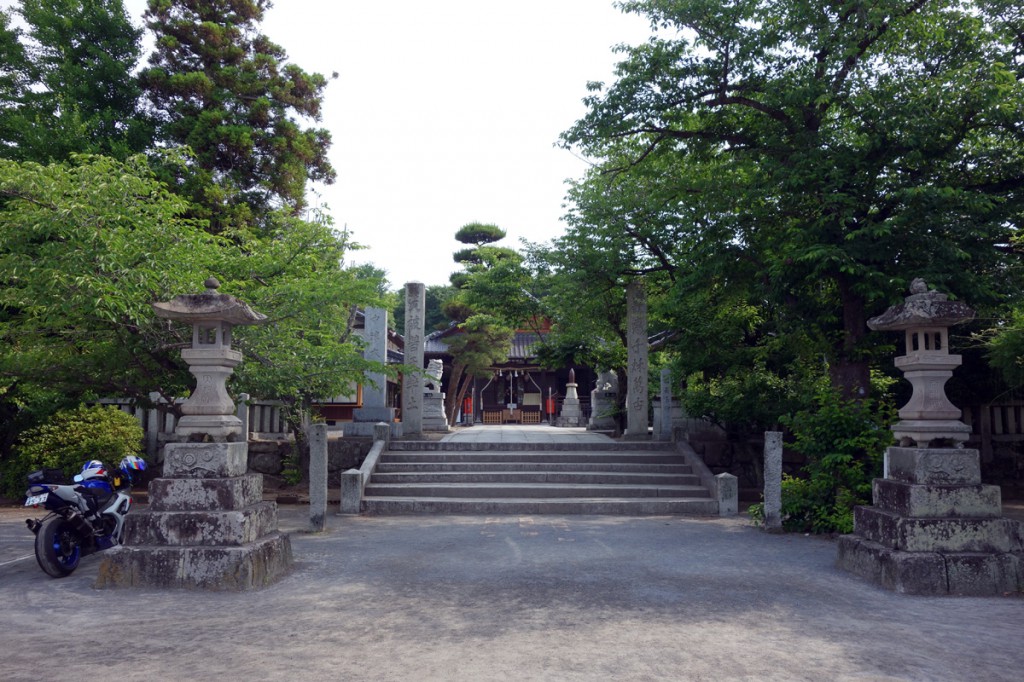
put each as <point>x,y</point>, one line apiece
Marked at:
<point>456,388</point>
<point>850,372</point>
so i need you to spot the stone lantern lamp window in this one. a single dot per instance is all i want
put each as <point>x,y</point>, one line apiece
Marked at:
<point>209,411</point>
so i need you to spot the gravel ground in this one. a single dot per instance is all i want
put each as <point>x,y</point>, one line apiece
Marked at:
<point>509,598</point>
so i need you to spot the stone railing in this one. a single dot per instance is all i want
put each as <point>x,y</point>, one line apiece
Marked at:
<point>353,481</point>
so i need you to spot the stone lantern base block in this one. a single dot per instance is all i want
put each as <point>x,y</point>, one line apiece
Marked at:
<point>246,567</point>
<point>935,529</point>
<point>205,460</point>
<point>932,573</point>
<point>207,527</point>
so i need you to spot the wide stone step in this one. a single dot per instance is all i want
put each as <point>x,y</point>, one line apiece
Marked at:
<point>532,457</point>
<point>575,477</point>
<point>529,490</point>
<point>582,467</point>
<point>465,446</point>
<point>653,506</point>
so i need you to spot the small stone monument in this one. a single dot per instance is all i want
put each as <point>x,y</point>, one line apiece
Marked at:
<point>571,414</point>
<point>207,526</point>
<point>933,528</point>
<point>434,419</point>
<point>604,400</point>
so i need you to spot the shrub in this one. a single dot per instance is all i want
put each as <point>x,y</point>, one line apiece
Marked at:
<point>843,441</point>
<point>70,438</point>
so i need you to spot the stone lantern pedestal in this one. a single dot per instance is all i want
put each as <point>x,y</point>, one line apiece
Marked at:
<point>934,528</point>
<point>207,526</point>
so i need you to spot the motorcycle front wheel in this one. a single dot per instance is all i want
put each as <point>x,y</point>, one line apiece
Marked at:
<point>58,547</point>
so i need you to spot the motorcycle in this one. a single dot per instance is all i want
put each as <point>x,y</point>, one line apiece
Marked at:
<point>83,518</point>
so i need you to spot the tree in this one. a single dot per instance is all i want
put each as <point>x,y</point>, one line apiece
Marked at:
<point>75,92</point>
<point>225,90</point>
<point>828,152</point>
<point>87,246</point>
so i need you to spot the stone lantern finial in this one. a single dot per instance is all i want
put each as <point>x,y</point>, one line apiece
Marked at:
<point>925,317</point>
<point>210,410</point>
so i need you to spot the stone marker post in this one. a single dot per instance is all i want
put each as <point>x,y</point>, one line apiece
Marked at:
<point>207,526</point>
<point>375,390</point>
<point>773,480</point>
<point>636,337</point>
<point>934,528</point>
<point>665,422</point>
<point>317,435</point>
<point>412,378</point>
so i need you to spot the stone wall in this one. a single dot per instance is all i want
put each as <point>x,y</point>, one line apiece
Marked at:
<point>267,457</point>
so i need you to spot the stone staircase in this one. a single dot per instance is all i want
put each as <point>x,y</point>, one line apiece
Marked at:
<point>544,478</point>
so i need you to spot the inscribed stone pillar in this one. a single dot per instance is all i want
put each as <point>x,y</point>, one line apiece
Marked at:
<point>773,480</point>
<point>375,334</point>
<point>636,338</point>
<point>412,379</point>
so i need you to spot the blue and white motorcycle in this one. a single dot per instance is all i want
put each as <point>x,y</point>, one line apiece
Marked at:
<point>85,517</point>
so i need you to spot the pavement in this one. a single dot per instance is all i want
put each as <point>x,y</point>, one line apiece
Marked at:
<point>509,598</point>
<point>523,433</point>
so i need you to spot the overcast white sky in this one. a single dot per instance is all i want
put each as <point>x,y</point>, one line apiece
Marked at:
<point>446,112</point>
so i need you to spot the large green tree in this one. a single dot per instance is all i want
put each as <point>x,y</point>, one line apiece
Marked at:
<point>809,158</point>
<point>69,86</point>
<point>86,246</point>
<point>227,91</point>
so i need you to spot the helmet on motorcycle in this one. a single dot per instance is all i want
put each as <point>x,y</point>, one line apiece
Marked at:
<point>132,463</point>
<point>92,469</point>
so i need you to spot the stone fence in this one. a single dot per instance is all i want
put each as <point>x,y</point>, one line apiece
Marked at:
<point>261,419</point>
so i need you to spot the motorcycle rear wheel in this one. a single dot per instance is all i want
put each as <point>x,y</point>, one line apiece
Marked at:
<point>58,547</point>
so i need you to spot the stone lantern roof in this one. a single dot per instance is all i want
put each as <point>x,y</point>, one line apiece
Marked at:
<point>922,308</point>
<point>209,306</point>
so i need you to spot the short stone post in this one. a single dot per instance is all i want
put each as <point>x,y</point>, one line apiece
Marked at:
<point>317,435</point>
<point>666,406</point>
<point>637,351</point>
<point>382,432</point>
<point>412,378</point>
<point>242,412</point>
<point>153,428</point>
<point>727,492</point>
<point>351,491</point>
<point>773,480</point>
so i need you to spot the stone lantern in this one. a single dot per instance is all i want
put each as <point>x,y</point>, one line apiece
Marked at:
<point>210,410</point>
<point>925,317</point>
<point>207,526</point>
<point>933,527</point>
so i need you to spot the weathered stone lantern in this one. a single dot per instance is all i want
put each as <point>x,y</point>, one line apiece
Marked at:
<point>925,317</point>
<point>207,526</point>
<point>933,527</point>
<point>210,410</point>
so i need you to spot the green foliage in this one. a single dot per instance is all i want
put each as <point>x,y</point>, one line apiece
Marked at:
<point>87,246</point>
<point>69,439</point>
<point>226,91</point>
<point>843,441</point>
<point>803,161</point>
<point>479,234</point>
<point>76,92</point>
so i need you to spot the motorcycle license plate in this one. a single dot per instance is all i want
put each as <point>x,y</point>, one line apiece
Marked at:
<point>36,500</point>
